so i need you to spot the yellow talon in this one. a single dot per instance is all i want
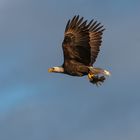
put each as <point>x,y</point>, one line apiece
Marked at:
<point>90,76</point>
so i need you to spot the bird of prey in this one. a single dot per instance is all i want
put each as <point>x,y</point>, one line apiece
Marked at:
<point>81,45</point>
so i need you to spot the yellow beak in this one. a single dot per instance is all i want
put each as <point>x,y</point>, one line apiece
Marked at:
<point>50,70</point>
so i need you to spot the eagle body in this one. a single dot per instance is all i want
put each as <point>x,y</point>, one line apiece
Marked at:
<point>73,68</point>
<point>81,46</point>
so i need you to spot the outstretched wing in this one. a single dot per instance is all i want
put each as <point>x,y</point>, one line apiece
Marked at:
<point>80,42</point>
<point>95,34</point>
<point>76,41</point>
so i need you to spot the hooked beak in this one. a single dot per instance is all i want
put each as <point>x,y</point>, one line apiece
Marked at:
<point>50,69</point>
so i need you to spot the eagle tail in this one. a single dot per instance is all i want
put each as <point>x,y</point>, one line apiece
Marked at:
<point>99,71</point>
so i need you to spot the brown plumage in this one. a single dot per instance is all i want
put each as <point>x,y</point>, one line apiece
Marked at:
<point>84,39</point>
<point>81,46</point>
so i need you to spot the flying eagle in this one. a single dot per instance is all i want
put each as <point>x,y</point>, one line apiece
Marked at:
<point>81,46</point>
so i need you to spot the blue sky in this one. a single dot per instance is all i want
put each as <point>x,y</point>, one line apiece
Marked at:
<point>35,104</point>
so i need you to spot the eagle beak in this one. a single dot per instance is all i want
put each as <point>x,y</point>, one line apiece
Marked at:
<point>50,70</point>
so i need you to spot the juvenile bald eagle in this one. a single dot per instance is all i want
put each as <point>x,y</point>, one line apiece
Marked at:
<point>81,46</point>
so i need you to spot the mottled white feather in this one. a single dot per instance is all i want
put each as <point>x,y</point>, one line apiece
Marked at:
<point>58,69</point>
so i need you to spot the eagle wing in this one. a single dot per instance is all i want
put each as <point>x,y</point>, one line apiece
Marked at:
<point>81,40</point>
<point>95,34</point>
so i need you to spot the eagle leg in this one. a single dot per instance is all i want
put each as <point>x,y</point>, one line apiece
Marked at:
<point>90,76</point>
<point>95,79</point>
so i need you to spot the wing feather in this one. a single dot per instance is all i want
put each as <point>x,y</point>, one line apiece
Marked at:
<point>76,41</point>
<point>95,34</point>
<point>81,40</point>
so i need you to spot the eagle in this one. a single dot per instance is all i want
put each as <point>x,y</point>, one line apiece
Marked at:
<point>81,45</point>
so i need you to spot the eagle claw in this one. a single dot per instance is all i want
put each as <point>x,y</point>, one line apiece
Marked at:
<point>97,80</point>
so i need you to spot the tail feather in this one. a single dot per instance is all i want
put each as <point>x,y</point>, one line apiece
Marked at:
<point>107,73</point>
<point>98,71</point>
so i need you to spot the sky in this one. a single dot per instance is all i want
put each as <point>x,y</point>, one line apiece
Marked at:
<point>37,105</point>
